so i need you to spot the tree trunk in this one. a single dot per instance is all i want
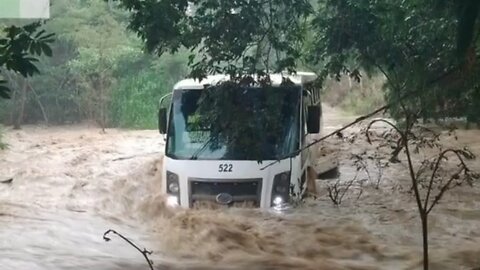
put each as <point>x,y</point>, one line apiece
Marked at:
<point>13,107</point>
<point>21,108</point>
<point>102,104</point>
<point>425,240</point>
<point>39,102</point>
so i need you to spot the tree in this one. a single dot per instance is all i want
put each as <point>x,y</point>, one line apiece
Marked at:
<point>234,37</point>
<point>432,178</point>
<point>95,65</point>
<point>100,46</point>
<point>414,43</point>
<point>19,49</point>
<point>134,102</point>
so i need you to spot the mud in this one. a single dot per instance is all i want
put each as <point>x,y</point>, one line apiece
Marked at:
<point>70,184</point>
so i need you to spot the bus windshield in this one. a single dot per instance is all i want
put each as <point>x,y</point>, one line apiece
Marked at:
<point>245,124</point>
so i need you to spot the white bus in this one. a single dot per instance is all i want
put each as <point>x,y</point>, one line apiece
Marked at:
<point>194,173</point>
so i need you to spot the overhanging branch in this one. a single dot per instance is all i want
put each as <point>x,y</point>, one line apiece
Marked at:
<point>359,119</point>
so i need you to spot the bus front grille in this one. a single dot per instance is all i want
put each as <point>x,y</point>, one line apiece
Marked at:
<point>240,191</point>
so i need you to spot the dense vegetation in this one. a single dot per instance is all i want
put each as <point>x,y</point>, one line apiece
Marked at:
<point>422,47</point>
<point>97,72</point>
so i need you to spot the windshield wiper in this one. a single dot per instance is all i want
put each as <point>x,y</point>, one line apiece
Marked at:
<point>201,149</point>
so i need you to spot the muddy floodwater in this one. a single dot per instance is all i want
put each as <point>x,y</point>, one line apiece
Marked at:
<point>65,186</point>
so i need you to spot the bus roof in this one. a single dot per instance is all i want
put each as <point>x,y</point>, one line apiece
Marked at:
<point>299,78</point>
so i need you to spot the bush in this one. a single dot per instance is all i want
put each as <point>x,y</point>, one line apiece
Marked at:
<point>134,104</point>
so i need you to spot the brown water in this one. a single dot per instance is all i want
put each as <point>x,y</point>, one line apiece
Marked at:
<point>70,184</point>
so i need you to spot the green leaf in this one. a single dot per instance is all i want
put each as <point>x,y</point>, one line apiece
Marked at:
<point>4,92</point>
<point>40,33</point>
<point>47,37</point>
<point>38,49</point>
<point>32,48</point>
<point>47,50</point>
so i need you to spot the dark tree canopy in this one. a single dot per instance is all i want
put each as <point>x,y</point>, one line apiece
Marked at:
<point>232,37</point>
<point>467,32</point>
<point>252,35</point>
<point>415,44</point>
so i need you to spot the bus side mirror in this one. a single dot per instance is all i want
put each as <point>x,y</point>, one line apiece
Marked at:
<point>313,119</point>
<point>162,120</point>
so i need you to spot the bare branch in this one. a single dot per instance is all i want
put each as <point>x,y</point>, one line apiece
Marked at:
<point>144,252</point>
<point>336,192</point>
<point>463,168</point>
<point>442,191</point>
<point>435,169</point>
<point>384,121</point>
<point>338,131</point>
<point>364,117</point>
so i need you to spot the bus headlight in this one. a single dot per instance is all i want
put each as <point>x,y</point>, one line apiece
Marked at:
<point>173,188</point>
<point>277,201</point>
<point>172,183</point>
<point>281,188</point>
